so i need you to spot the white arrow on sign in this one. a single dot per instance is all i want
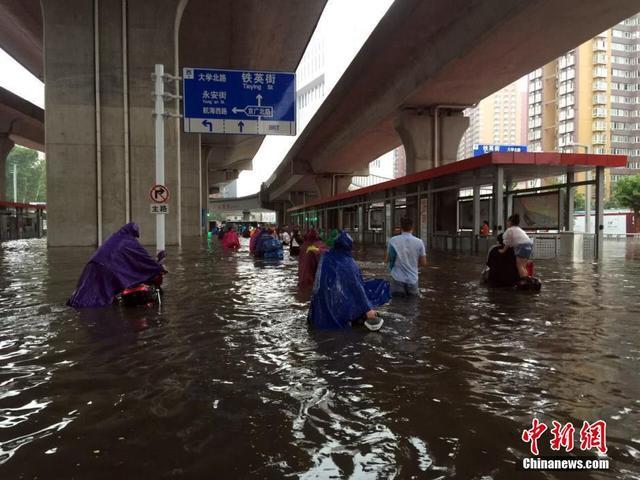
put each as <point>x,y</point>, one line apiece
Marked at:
<point>269,111</point>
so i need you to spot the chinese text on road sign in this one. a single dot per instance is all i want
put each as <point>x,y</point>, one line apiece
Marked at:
<point>481,149</point>
<point>159,209</point>
<point>239,102</point>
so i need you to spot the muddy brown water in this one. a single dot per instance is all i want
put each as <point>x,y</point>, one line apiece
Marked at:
<point>226,381</point>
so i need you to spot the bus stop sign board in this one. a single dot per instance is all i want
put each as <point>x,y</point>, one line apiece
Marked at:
<point>239,102</point>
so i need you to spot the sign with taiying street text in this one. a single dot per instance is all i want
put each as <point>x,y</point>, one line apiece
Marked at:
<point>239,102</point>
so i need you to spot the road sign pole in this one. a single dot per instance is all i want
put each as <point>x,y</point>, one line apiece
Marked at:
<point>159,117</point>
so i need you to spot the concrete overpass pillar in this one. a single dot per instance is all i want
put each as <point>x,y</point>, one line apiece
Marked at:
<point>190,179</point>
<point>100,136</point>
<point>6,145</point>
<point>416,130</point>
<point>332,184</point>
<point>281,214</point>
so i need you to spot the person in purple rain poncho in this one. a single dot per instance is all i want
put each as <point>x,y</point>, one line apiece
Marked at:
<point>120,263</point>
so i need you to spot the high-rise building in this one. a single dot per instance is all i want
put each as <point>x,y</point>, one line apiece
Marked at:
<point>589,98</point>
<point>497,119</point>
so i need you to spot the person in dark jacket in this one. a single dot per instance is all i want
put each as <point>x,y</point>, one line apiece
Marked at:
<point>501,268</point>
<point>296,241</point>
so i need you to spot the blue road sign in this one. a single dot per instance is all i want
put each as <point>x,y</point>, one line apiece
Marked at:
<point>239,102</point>
<point>484,148</point>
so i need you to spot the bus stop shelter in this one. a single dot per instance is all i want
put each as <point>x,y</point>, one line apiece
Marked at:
<point>448,203</point>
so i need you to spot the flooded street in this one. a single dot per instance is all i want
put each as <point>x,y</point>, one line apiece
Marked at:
<point>227,381</point>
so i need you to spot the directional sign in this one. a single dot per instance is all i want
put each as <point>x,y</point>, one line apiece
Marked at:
<point>159,194</point>
<point>481,149</point>
<point>239,102</point>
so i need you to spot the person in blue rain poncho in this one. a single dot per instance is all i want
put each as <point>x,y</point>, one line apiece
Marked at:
<point>341,297</point>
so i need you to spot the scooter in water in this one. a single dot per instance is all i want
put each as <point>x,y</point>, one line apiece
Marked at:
<point>146,294</point>
<point>531,282</point>
<point>506,276</point>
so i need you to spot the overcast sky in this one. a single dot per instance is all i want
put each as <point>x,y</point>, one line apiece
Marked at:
<point>16,78</point>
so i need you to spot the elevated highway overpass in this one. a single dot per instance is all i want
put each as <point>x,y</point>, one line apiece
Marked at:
<point>96,57</point>
<point>21,123</point>
<point>421,66</point>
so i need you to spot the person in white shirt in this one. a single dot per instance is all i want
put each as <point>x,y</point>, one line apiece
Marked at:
<point>405,254</point>
<point>516,238</point>
<point>285,237</point>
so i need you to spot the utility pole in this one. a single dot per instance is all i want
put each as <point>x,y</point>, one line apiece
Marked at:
<point>160,115</point>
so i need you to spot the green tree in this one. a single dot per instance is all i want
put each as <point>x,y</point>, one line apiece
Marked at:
<point>627,193</point>
<point>611,203</point>
<point>578,201</point>
<point>31,176</point>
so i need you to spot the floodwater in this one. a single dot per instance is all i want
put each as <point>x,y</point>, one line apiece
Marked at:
<point>227,382</point>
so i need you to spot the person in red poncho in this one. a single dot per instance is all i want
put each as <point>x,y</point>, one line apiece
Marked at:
<point>230,240</point>
<point>310,253</point>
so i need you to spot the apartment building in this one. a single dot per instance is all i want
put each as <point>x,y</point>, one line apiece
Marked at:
<point>499,119</point>
<point>589,98</point>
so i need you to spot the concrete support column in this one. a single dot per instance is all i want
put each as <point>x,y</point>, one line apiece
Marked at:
<point>191,181</point>
<point>569,203</point>
<point>498,201</point>
<point>509,205</point>
<point>153,37</point>
<point>431,218</point>
<point>389,218</point>
<point>476,217</point>
<point>100,139</point>
<point>476,210</point>
<point>6,145</point>
<point>277,206</point>
<point>340,218</point>
<point>19,223</point>
<point>599,223</point>
<point>70,122</point>
<point>412,208</point>
<point>332,184</point>
<point>416,130</point>
<point>204,185</point>
<point>361,225</point>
